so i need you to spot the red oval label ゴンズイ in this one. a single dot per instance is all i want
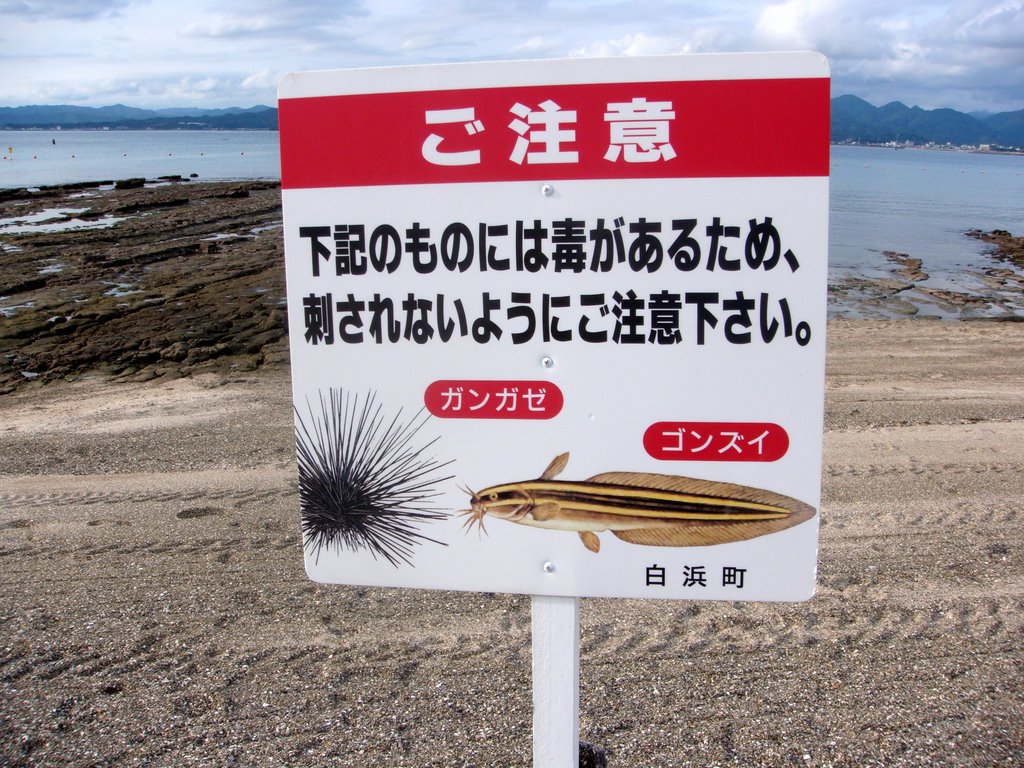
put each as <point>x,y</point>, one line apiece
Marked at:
<point>716,441</point>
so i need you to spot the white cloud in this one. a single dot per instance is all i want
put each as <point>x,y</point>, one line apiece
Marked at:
<point>783,23</point>
<point>79,10</point>
<point>961,53</point>
<point>533,44</point>
<point>223,26</point>
<point>261,81</point>
<point>635,44</point>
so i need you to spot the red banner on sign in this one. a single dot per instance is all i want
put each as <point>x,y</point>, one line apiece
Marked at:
<point>716,441</point>
<point>484,399</point>
<point>689,129</point>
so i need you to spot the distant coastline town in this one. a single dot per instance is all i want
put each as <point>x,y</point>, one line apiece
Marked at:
<point>853,122</point>
<point>984,149</point>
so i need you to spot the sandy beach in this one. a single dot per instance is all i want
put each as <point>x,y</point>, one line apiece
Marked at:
<point>155,610</point>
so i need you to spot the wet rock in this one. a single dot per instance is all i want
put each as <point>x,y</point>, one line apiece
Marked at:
<point>907,267</point>
<point>1007,247</point>
<point>177,352</point>
<point>186,277</point>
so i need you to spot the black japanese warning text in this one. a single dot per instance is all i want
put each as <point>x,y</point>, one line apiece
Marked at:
<point>622,315</point>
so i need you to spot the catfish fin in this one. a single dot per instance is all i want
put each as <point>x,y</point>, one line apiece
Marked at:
<point>546,511</point>
<point>718,490</point>
<point>704,535</point>
<point>555,467</point>
<point>590,541</point>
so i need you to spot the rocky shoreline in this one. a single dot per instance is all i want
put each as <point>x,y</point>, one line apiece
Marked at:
<point>136,280</point>
<point>1007,247</point>
<point>908,289</point>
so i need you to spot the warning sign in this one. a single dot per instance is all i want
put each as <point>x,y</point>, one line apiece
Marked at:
<point>558,327</point>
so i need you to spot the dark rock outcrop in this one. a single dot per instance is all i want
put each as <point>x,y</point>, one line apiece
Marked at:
<point>140,282</point>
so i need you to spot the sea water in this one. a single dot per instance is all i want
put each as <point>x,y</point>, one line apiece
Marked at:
<point>39,158</point>
<point>913,201</point>
<point>919,202</point>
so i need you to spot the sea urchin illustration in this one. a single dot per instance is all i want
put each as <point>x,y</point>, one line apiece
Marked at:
<point>363,484</point>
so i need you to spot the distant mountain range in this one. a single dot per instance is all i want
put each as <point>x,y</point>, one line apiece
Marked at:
<point>853,120</point>
<point>259,118</point>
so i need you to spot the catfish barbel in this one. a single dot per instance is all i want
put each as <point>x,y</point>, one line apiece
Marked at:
<point>639,507</point>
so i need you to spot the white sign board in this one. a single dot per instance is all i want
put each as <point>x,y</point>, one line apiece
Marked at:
<point>557,327</point>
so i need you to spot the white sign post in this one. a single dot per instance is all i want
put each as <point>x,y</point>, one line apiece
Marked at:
<point>557,328</point>
<point>556,680</point>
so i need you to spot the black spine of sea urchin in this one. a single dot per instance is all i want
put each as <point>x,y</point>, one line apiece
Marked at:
<point>362,482</point>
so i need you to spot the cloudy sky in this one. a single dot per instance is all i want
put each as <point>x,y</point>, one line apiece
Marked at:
<point>967,55</point>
